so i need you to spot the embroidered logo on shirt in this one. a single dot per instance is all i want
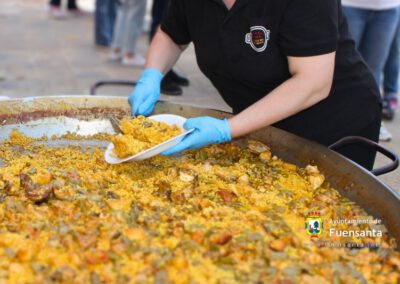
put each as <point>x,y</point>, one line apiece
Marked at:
<point>258,38</point>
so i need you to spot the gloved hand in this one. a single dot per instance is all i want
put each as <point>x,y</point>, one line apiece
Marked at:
<point>207,130</point>
<point>146,92</point>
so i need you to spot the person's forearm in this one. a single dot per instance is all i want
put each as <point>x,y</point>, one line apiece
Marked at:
<point>291,97</point>
<point>163,52</point>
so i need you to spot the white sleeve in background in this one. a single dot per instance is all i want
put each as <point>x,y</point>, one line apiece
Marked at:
<point>372,4</point>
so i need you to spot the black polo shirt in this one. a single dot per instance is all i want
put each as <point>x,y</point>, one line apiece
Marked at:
<point>244,50</point>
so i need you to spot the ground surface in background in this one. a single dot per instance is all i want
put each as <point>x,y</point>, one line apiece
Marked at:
<point>42,56</point>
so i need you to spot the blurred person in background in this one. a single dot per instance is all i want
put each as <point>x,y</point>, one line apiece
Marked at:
<point>127,30</point>
<point>105,14</point>
<point>57,12</point>
<point>391,77</point>
<point>172,82</point>
<point>373,26</point>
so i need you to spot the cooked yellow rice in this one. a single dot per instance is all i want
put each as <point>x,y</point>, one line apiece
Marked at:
<point>141,133</point>
<point>222,214</point>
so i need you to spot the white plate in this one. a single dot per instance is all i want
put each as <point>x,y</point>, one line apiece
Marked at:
<point>170,119</point>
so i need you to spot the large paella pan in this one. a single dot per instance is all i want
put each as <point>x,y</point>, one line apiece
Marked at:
<point>270,208</point>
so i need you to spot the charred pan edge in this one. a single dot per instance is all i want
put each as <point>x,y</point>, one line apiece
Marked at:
<point>82,107</point>
<point>82,114</point>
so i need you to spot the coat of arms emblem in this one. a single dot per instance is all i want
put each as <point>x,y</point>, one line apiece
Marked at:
<point>258,38</point>
<point>314,224</point>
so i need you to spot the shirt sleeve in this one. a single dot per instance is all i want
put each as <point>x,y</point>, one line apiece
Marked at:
<point>175,23</point>
<point>309,28</point>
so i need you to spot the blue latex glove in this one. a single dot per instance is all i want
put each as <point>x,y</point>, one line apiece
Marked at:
<point>146,92</point>
<point>207,130</point>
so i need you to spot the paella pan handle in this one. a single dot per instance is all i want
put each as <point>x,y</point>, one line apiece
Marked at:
<point>95,86</point>
<point>362,140</point>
